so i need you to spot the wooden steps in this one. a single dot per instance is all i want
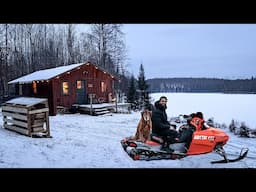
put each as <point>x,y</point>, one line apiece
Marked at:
<point>94,111</point>
<point>102,109</point>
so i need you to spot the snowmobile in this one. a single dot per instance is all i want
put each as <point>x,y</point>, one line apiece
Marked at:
<point>203,141</point>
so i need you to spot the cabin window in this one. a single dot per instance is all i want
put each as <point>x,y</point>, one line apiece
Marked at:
<point>79,84</point>
<point>34,87</point>
<point>103,87</point>
<point>65,88</point>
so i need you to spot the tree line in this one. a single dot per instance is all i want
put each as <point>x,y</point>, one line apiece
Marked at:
<point>25,48</point>
<point>202,85</point>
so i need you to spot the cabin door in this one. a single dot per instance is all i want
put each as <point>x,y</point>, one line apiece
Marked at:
<point>81,97</point>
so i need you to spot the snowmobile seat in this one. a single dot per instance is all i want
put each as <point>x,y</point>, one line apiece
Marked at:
<point>159,139</point>
<point>156,138</point>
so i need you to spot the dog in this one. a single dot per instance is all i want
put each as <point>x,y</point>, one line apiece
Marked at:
<point>144,127</point>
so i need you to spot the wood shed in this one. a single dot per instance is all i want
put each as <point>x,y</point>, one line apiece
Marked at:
<point>27,115</point>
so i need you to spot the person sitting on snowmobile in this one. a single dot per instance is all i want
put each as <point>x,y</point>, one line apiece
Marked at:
<point>161,126</point>
<point>195,123</point>
<point>198,122</point>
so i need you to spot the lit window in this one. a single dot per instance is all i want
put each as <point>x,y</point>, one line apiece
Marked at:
<point>34,87</point>
<point>79,84</point>
<point>103,87</point>
<point>65,88</point>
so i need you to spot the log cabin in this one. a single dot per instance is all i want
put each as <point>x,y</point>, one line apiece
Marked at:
<point>67,85</point>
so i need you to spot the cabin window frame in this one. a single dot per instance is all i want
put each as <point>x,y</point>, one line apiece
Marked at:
<point>65,88</point>
<point>79,84</point>
<point>34,86</point>
<point>103,86</point>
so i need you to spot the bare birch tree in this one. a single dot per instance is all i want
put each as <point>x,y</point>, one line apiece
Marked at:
<point>110,47</point>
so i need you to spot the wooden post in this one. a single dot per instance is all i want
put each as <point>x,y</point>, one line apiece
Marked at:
<point>47,123</point>
<point>116,102</point>
<point>91,103</point>
<point>29,124</point>
<point>5,122</point>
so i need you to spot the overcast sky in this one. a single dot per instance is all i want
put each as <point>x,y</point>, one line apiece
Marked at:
<point>192,50</point>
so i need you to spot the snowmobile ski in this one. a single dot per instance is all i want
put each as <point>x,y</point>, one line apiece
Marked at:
<point>242,155</point>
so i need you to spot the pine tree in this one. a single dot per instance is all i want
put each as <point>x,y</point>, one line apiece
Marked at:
<point>131,97</point>
<point>143,87</point>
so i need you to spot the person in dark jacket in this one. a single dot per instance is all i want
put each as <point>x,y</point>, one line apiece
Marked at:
<point>195,123</point>
<point>161,126</point>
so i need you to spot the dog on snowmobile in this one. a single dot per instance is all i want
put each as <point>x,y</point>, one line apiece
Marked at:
<point>195,137</point>
<point>144,127</point>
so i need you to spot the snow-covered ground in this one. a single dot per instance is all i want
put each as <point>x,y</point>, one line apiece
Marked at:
<point>83,141</point>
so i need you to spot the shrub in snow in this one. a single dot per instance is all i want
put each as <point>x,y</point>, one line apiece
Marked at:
<point>244,130</point>
<point>241,129</point>
<point>210,122</point>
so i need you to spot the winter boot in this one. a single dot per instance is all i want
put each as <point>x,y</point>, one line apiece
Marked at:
<point>165,147</point>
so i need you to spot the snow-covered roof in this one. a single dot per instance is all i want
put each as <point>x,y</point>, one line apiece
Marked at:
<point>45,74</point>
<point>28,101</point>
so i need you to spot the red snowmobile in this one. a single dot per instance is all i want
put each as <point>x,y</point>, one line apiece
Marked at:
<point>203,141</point>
